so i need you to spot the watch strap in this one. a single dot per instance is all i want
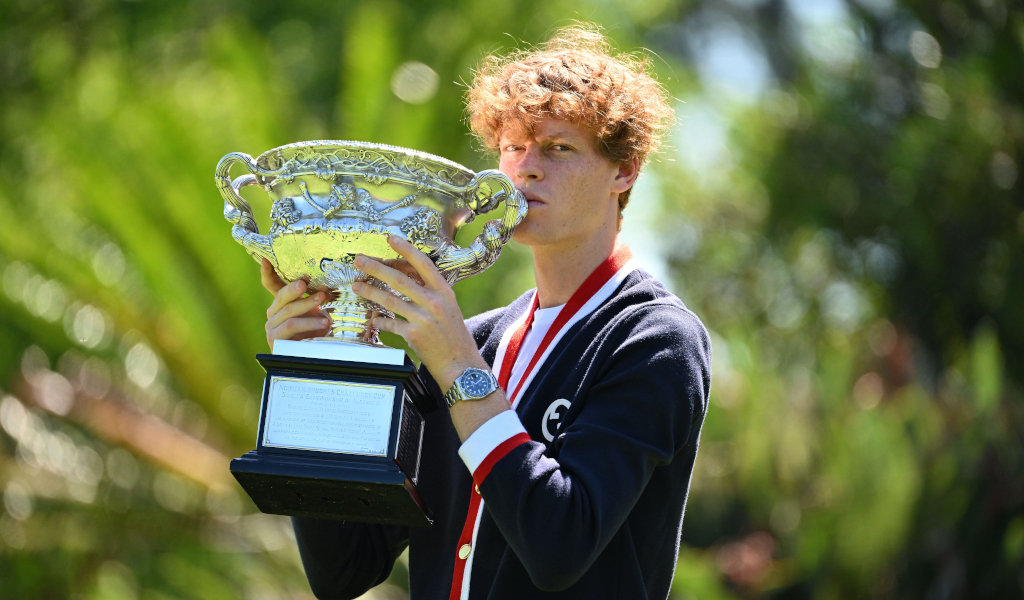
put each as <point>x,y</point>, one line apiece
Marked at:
<point>459,392</point>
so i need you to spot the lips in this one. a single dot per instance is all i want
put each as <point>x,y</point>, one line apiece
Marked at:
<point>532,200</point>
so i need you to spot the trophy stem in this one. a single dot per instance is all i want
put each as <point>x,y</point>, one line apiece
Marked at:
<point>350,316</point>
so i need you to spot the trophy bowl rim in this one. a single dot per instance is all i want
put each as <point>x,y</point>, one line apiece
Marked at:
<point>353,144</point>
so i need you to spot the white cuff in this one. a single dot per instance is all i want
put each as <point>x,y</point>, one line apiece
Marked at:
<point>489,436</point>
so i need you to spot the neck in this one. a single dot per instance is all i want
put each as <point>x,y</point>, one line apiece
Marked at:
<point>561,270</point>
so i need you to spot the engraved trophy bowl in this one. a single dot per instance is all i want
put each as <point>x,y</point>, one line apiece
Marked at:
<point>333,200</point>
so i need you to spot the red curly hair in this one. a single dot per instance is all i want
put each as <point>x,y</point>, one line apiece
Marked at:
<point>573,77</point>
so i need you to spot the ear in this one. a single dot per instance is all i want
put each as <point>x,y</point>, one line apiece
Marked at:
<point>626,175</point>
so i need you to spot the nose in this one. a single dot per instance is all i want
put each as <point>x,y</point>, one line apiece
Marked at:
<point>525,165</point>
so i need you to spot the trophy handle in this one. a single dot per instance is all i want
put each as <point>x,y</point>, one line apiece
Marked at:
<point>492,188</point>
<point>237,210</point>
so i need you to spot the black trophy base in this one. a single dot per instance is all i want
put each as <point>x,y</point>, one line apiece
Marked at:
<point>375,486</point>
<point>330,488</point>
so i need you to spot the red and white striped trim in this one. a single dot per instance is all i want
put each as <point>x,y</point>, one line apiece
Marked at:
<point>493,440</point>
<point>486,439</point>
<point>561,326</point>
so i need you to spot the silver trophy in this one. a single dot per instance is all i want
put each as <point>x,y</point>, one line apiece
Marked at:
<point>333,200</point>
<point>341,418</point>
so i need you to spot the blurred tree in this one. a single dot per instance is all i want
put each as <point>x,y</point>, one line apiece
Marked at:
<point>861,260</point>
<point>842,206</point>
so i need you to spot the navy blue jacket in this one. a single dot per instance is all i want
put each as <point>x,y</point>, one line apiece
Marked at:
<point>597,512</point>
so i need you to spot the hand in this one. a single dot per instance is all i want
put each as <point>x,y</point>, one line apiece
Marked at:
<point>292,316</point>
<point>434,327</point>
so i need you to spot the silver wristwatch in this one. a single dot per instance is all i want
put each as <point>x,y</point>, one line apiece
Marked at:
<point>473,384</point>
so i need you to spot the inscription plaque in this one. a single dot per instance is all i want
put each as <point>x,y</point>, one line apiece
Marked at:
<point>328,416</point>
<point>339,440</point>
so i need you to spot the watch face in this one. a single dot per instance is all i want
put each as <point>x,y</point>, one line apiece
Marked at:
<point>477,385</point>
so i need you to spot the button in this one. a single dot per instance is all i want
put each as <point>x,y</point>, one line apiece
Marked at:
<point>464,551</point>
<point>476,488</point>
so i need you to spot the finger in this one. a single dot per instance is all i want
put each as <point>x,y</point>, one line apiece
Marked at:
<point>296,308</point>
<point>398,280</point>
<point>400,264</point>
<point>295,326</point>
<point>396,326</point>
<point>385,299</point>
<point>426,268</point>
<point>370,331</point>
<point>269,277</point>
<point>286,295</point>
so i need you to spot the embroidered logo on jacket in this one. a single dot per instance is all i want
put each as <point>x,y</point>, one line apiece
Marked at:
<point>554,415</point>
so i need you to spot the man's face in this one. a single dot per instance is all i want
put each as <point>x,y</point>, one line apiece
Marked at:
<point>572,190</point>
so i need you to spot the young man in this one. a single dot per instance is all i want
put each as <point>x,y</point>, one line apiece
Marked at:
<point>562,466</point>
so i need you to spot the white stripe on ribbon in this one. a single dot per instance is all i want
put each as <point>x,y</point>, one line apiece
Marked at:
<point>506,338</point>
<point>466,575</point>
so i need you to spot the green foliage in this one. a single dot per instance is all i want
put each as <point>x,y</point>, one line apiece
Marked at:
<point>852,233</point>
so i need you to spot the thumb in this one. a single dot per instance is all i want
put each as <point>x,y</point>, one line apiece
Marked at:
<point>269,278</point>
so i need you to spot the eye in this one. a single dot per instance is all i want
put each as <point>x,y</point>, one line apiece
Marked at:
<point>562,148</point>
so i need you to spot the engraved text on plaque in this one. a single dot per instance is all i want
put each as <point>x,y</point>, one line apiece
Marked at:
<point>328,416</point>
